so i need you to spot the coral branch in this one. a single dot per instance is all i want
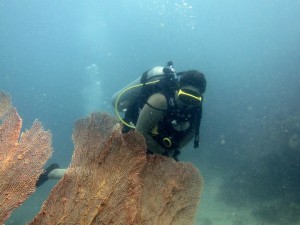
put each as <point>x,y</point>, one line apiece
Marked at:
<point>21,162</point>
<point>112,181</point>
<point>171,192</point>
<point>5,104</point>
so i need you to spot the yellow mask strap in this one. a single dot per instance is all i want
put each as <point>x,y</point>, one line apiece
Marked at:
<point>181,92</point>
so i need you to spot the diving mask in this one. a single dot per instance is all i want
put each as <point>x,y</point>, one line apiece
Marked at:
<point>189,97</point>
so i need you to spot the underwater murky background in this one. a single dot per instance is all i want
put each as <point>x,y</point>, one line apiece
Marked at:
<point>61,60</point>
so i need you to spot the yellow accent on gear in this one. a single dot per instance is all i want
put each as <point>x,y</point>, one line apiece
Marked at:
<point>167,142</point>
<point>181,92</point>
<point>154,131</point>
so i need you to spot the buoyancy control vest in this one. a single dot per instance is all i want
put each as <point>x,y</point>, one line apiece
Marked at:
<point>176,124</point>
<point>132,98</point>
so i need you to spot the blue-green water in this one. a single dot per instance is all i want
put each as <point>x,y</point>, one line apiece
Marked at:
<point>248,50</point>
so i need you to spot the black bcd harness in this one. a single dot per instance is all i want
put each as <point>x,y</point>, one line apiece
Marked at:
<point>167,86</point>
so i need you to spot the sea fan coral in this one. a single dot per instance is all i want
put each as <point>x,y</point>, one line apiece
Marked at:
<point>111,180</point>
<point>21,160</point>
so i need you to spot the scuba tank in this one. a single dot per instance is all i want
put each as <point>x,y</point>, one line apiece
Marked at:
<point>126,95</point>
<point>125,98</point>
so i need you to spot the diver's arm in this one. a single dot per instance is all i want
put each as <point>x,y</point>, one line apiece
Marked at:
<point>149,117</point>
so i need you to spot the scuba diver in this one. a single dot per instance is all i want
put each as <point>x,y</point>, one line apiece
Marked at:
<point>164,106</point>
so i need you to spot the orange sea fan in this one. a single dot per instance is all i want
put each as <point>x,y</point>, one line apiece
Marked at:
<point>111,180</point>
<point>5,104</point>
<point>21,160</point>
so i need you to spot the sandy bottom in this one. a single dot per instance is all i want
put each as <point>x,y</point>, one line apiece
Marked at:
<point>210,212</point>
<point>214,212</point>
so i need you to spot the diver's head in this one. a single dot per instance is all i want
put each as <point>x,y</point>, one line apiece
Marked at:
<point>193,78</point>
<point>191,87</point>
